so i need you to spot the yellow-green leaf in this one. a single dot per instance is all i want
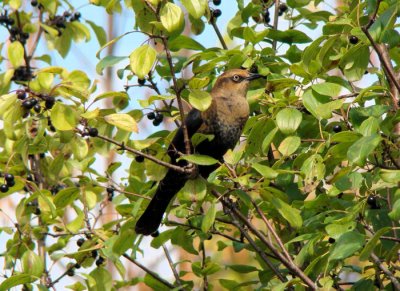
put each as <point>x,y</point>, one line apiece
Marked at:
<point>142,60</point>
<point>122,121</point>
<point>63,117</point>
<point>209,218</point>
<point>200,100</point>
<point>16,54</point>
<point>32,264</point>
<point>172,18</point>
<point>196,8</point>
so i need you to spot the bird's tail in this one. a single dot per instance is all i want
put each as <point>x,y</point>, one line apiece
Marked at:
<point>151,218</point>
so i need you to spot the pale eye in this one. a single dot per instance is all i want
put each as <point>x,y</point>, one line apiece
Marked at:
<point>236,78</point>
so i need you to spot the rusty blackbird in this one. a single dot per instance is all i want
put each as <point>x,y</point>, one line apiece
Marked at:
<point>224,119</point>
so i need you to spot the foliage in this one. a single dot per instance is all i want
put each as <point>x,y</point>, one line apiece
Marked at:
<point>310,196</point>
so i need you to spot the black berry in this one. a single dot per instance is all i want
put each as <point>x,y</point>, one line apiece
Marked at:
<point>37,108</point>
<point>217,13</point>
<point>331,240</point>
<point>9,178</point>
<point>353,39</point>
<point>282,8</point>
<point>37,211</point>
<point>93,132</point>
<point>49,103</point>
<point>141,82</point>
<point>80,242</point>
<point>34,3</point>
<point>28,104</point>
<point>337,128</point>
<point>3,188</point>
<point>151,115</point>
<point>110,190</point>
<point>216,2</point>
<point>71,272</point>
<point>77,266</point>
<point>21,95</point>
<point>29,177</point>
<point>99,261</point>
<point>159,117</point>
<point>267,19</point>
<point>94,254</point>
<point>156,123</point>
<point>139,159</point>
<point>11,183</point>
<point>371,200</point>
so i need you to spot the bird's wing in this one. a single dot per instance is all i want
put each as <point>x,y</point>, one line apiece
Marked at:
<point>193,122</point>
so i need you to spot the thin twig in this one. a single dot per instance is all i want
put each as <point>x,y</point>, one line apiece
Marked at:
<point>254,245</point>
<point>203,265</point>
<point>175,83</point>
<point>171,265</point>
<point>213,22</point>
<point>276,18</point>
<point>148,271</point>
<point>149,157</point>
<point>292,267</point>
<point>385,270</point>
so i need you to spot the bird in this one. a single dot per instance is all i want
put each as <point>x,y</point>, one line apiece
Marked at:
<point>224,119</point>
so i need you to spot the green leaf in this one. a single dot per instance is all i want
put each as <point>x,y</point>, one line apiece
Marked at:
<point>6,101</point>
<point>184,42</point>
<point>111,94</point>
<point>15,54</point>
<point>108,61</point>
<point>15,280</point>
<point>389,176</point>
<point>268,140</point>
<point>288,36</point>
<point>292,215</point>
<point>195,189</point>
<point>369,247</point>
<point>288,120</point>
<point>124,241</point>
<point>328,89</point>
<point>355,62</point>
<point>369,126</point>
<point>63,117</point>
<point>123,121</point>
<point>172,18</point>
<point>199,99</point>
<point>100,280</point>
<point>32,264</point>
<point>265,171</point>
<point>196,8</point>
<point>361,149</point>
<point>65,197</point>
<point>209,217</point>
<point>289,145</point>
<point>99,31</point>
<point>155,284</point>
<point>347,245</point>
<point>142,60</point>
<point>395,213</point>
<point>199,159</point>
<point>244,269</point>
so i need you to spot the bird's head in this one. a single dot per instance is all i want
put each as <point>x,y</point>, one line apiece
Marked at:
<point>235,81</point>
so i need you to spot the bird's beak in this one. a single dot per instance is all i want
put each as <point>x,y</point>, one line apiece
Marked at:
<point>254,76</point>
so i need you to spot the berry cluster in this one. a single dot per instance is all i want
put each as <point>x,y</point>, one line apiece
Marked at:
<point>215,13</point>
<point>15,31</point>
<point>22,74</point>
<point>59,21</point>
<point>156,117</point>
<point>8,182</point>
<point>32,101</point>
<point>282,8</point>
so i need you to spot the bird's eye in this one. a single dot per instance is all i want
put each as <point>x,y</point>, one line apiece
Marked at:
<point>236,78</point>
